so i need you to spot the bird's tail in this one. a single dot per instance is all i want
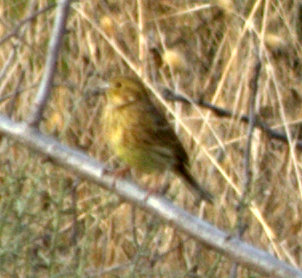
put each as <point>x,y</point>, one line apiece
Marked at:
<point>196,189</point>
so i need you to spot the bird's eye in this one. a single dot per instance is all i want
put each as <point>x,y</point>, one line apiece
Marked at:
<point>118,84</point>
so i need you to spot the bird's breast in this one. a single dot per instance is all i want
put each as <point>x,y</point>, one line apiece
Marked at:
<point>118,126</point>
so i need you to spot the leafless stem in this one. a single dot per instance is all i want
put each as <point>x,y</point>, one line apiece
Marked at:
<point>16,29</point>
<point>15,46</point>
<point>94,171</point>
<point>15,94</point>
<point>133,224</point>
<point>102,271</point>
<point>251,126</point>
<point>50,67</point>
<point>253,85</point>
<point>223,112</point>
<point>8,62</point>
<point>74,200</point>
<point>74,227</point>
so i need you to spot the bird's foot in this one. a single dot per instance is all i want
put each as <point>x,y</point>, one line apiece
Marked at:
<point>119,173</point>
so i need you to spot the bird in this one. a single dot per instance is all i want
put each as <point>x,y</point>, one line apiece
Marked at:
<point>139,134</point>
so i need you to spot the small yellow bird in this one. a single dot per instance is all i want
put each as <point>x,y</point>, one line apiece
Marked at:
<point>139,134</point>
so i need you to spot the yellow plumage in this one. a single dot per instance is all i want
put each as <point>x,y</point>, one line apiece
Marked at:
<point>139,134</point>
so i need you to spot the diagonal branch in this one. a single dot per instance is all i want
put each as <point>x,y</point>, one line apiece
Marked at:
<point>94,171</point>
<point>16,29</point>
<point>223,112</point>
<point>50,67</point>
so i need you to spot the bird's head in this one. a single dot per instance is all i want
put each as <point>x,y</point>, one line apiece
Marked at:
<point>123,90</point>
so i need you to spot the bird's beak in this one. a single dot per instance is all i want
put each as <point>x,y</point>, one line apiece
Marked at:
<point>100,89</point>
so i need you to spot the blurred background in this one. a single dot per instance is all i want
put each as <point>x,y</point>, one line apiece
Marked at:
<point>54,225</point>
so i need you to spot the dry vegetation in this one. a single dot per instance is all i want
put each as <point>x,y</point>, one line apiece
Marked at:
<point>204,52</point>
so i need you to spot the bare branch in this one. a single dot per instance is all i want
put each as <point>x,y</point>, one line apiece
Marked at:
<point>223,112</point>
<point>251,125</point>
<point>8,62</point>
<point>15,94</point>
<point>94,171</point>
<point>247,175</point>
<point>50,67</point>
<point>16,29</point>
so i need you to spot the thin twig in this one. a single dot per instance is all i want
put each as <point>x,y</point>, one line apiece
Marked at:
<point>15,47</point>
<point>74,201</point>
<point>16,29</point>
<point>157,256</point>
<point>133,226</point>
<point>243,202</point>
<point>252,121</point>
<point>15,94</point>
<point>8,62</point>
<point>102,271</point>
<point>50,67</point>
<point>74,227</point>
<point>141,38</point>
<point>223,112</point>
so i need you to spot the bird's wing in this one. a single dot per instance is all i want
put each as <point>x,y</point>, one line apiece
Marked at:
<point>159,135</point>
